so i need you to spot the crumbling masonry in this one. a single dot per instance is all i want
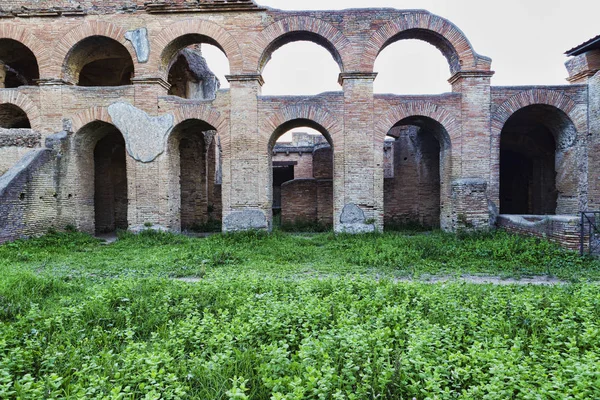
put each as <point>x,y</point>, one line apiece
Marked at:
<point>110,119</point>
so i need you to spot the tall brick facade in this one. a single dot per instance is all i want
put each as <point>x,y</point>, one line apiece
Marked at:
<point>71,77</point>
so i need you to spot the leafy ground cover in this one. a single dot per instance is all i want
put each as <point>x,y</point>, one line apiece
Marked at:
<point>289,316</point>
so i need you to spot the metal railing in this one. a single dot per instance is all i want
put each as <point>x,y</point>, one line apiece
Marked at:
<point>590,232</point>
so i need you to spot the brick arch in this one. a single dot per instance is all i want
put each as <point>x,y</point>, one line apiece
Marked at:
<point>439,32</point>
<point>90,115</point>
<point>165,44</point>
<point>84,31</point>
<point>200,112</point>
<point>39,49</point>
<point>291,29</point>
<point>24,103</point>
<point>419,108</point>
<point>303,112</point>
<point>452,127</point>
<point>537,96</point>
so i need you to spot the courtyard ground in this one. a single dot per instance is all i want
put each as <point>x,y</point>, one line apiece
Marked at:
<point>295,316</point>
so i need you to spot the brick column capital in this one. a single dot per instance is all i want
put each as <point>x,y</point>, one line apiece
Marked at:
<point>52,82</point>
<point>470,74</point>
<point>246,78</point>
<point>151,80</point>
<point>356,75</point>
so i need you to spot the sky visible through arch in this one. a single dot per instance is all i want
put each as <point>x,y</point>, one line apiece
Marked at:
<point>526,40</point>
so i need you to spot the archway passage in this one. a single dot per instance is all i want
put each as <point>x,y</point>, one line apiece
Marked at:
<point>411,66</point>
<point>12,117</point>
<point>194,157</point>
<point>99,61</point>
<point>190,76</point>
<point>18,65</point>
<point>302,176</point>
<point>110,183</point>
<point>538,175</point>
<point>416,163</point>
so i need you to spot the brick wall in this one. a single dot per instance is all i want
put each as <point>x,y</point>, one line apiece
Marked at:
<point>322,163</point>
<point>353,120</point>
<point>564,230</point>
<point>412,196</point>
<point>299,201</point>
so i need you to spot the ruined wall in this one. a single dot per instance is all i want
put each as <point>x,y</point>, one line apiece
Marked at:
<point>31,192</point>
<point>467,122</point>
<point>412,196</point>
<point>302,162</point>
<point>564,230</point>
<point>14,144</point>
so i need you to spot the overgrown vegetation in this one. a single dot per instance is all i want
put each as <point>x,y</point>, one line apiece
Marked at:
<point>299,316</point>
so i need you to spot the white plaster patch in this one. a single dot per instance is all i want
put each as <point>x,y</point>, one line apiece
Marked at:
<point>145,136</point>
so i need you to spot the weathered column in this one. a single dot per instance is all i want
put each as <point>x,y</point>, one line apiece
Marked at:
<point>471,205</point>
<point>147,178</point>
<point>358,160</point>
<point>245,180</point>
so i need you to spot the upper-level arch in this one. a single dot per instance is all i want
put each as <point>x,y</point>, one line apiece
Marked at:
<point>30,41</point>
<point>435,30</point>
<point>299,28</point>
<point>72,58</point>
<point>179,35</point>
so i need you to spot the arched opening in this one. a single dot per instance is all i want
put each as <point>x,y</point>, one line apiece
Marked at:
<point>198,72</point>
<point>301,166</point>
<point>196,65</point>
<point>289,65</point>
<point>416,169</point>
<point>110,181</point>
<point>537,163</point>
<point>12,117</point>
<point>18,65</point>
<point>100,185</point>
<point>194,157</point>
<point>411,66</point>
<point>99,61</point>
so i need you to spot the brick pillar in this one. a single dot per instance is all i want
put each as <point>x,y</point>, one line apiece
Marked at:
<point>147,90</point>
<point>209,156</point>
<point>593,151</point>
<point>471,159</point>
<point>245,168</point>
<point>358,171</point>
<point>51,93</point>
<point>148,191</point>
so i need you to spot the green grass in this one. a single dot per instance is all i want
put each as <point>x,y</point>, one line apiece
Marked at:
<point>392,255</point>
<point>295,316</point>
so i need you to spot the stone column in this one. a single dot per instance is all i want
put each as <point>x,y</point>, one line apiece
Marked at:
<point>148,193</point>
<point>245,162</point>
<point>358,160</point>
<point>471,161</point>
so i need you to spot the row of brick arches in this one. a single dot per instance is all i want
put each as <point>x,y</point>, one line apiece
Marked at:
<point>417,159</point>
<point>410,167</point>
